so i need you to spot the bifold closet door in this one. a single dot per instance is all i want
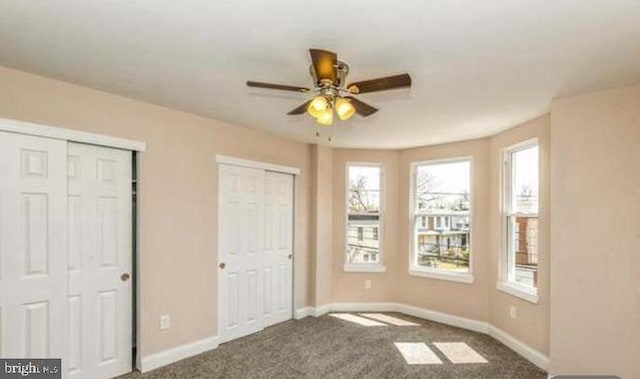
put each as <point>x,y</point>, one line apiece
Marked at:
<point>241,229</point>
<point>99,261</point>
<point>278,248</point>
<point>65,243</point>
<point>33,250</point>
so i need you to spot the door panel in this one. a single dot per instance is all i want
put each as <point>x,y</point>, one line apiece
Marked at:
<point>241,217</point>
<point>278,251</point>
<point>99,230</point>
<point>33,247</point>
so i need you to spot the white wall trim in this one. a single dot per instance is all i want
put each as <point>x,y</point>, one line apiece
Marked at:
<point>225,159</point>
<point>441,275</point>
<point>175,354</point>
<point>322,310</point>
<point>519,291</point>
<point>28,128</point>
<point>445,318</point>
<point>526,351</point>
<point>364,267</point>
<point>531,354</point>
<point>304,312</point>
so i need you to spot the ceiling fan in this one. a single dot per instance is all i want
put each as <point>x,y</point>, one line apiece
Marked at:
<point>332,93</point>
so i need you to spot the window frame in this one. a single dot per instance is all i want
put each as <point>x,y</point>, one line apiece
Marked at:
<point>505,271</point>
<point>365,267</point>
<point>427,272</point>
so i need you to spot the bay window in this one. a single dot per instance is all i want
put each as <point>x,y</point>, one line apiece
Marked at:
<point>520,246</point>
<point>364,218</point>
<point>441,219</point>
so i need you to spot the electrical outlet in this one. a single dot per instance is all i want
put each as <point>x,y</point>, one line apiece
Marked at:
<point>513,311</point>
<point>165,322</point>
<point>367,284</point>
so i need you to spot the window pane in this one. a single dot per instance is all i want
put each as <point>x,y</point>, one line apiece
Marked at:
<point>523,260</point>
<point>363,245</point>
<point>524,182</point>
<point>443,200</point>
<point>363,209</point>
<point>364,189</point>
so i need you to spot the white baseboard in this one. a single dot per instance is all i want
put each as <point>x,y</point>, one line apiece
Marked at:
<point>444,318</point>
<point>526,351</point>
<point>175,354</point>
<point>531,354</point>
<point>322,310</point>
<point>304,312</point>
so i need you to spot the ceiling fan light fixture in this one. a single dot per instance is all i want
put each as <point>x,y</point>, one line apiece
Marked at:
<point>318,106</point>
<point>344,109</point>
<point>326,117</point>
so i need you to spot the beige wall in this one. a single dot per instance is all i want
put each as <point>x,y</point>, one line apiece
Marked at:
<point>532,323</point>
<point>478,301</point>
<point>590,257</point>
<point>348,287</point>
<point>322,223</point>
<point>466,300</point>
<point>595,233</point>
<point>178,238</point>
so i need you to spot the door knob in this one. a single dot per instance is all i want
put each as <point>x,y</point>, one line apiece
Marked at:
<point>290,256</point>
<point>222,265</point>
<point>124,277</point>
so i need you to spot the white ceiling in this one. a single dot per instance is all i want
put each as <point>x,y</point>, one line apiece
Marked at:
<point>478,67</point>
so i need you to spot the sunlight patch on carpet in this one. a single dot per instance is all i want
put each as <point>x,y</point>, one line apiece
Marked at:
<point>459,352</point>
<point>417,353</point>
<point>389,319</point>
<point>356,319</point>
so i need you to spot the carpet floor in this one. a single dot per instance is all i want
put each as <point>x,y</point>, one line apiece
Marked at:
<point>328,347</point>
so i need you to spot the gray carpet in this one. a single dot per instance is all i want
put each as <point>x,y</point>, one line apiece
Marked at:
<point>327,347</point>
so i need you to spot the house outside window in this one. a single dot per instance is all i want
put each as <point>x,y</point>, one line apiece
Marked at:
<point>520,219</point>
<point>441,190</point>
<point>364,223</point>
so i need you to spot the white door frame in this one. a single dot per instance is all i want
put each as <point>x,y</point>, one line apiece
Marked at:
<point>71,135</point>
<point>295,171</point>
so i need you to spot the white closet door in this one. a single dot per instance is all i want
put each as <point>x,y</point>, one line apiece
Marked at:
<point>99,261</point>
<point>278,250</point>
<point>241,218</point>
<point>33,273</point>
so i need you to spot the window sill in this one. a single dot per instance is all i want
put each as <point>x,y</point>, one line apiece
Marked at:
<point>432,274</point>
<point>522,292</point>
<point>364,268</point>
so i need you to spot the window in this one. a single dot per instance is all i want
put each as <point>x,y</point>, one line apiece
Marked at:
<point>364,217</point>
<point>441,191</point>
<point>520,219</point>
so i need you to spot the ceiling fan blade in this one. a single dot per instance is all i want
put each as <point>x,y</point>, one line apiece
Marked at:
<point>277,86</point>
<point>380,84</point>
<point>301,109</point>
<point>363,109</point>
<point>324,64</point>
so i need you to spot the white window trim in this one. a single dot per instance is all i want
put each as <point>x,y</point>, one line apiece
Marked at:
<point>365,267</point>
<point>504,284</point>
<point>523,292</point>
<point>425,272</point>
